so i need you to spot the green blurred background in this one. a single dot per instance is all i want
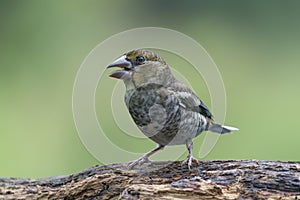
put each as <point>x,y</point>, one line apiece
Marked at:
<point>255,44</point>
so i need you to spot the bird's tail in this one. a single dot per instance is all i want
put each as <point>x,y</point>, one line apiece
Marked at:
<point>218,128</point>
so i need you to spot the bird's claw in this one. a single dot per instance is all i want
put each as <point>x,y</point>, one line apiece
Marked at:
<point>189,160</point>
<point>139,161</point>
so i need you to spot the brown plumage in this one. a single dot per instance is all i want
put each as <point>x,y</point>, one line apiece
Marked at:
<point>164,109</point>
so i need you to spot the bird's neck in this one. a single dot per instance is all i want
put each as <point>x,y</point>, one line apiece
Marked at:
<point>129,84</point>
<point>162,77</point>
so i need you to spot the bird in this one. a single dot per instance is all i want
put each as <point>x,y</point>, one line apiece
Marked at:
<point>164,109</point>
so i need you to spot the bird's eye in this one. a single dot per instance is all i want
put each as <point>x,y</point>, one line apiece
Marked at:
<point>140,59</point>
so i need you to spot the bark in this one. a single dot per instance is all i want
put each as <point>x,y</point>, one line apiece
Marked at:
<point>247,179</point>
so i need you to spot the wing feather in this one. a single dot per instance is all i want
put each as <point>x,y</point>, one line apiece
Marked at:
<point>188,100</point>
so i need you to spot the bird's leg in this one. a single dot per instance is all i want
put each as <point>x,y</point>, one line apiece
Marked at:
<point>145,157</point>
<point>190,157</point>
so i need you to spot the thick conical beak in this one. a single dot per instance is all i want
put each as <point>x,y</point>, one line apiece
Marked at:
<point>121,62</point>
<point>126,66</point>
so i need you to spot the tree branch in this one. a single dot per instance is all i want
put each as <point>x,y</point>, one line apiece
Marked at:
<point>166,180</point>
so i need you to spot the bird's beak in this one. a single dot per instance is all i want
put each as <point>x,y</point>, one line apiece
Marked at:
<point>126,66</point>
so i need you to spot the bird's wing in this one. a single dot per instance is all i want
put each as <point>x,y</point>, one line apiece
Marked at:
<point>188,100</point>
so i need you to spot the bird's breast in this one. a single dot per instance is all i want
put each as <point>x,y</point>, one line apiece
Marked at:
<point>156,114</point>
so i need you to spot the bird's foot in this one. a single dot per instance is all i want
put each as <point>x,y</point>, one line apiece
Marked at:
<point>140,161</point>
<point>189,160</point>
<point>145,157</point>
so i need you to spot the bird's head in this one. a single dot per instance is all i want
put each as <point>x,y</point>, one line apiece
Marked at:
<point>140,67</point>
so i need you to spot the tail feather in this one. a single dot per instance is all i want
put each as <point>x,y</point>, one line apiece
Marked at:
<point>218,128</point>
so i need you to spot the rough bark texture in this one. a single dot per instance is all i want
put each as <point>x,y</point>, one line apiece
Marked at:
<point>166,180</point>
